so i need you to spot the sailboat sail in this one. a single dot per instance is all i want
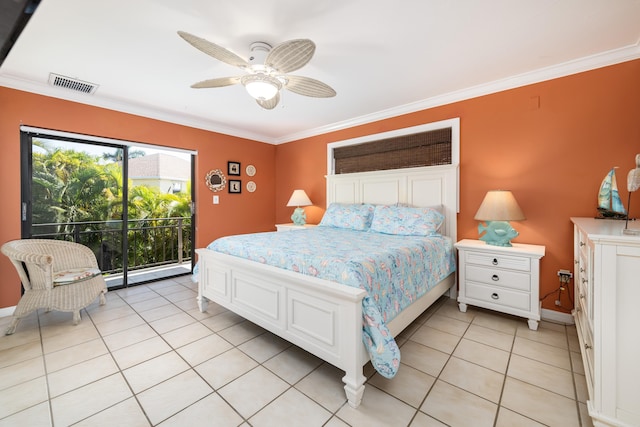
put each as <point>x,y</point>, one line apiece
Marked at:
<point>609,203</point>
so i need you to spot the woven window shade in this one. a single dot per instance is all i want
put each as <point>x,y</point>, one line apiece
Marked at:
<point>407,151</point>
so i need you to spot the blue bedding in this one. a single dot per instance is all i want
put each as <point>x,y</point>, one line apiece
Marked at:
<point>395,270</point>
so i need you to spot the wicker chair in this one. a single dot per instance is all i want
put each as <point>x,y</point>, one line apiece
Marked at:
<point>44,260</point>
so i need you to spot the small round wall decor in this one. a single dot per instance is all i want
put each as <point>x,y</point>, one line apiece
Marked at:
<point>251,170</point>
<point>251,186</point>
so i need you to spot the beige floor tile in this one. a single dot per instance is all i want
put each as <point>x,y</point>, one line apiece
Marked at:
<point>545,336</point>
<point>222,320</point>
<point>436,339</point>
<point>540,374</point>
<point>423,358</point>
<point>325,386</point>
<point>74,336</point>
<point>541,352</point>
<point>140,352</point>
<point>203,412</point>
<point>186,334</point>
<point>264,347</point>
<point>447,324</point>
<point>248,399</point>
<point>147,374</point>
<point>149,303</point>
<point>126,413</point>
<point>221,370</point>
<point>172,396</point>
<point>490,337</point>
<point>166,287</point>
<point>204,349</point>
<point>292,364</point>
<point>409,385</point>
<point>582,392</point>
<point>21,372</point>
<point>38,415</point>
<point>423,420</point>
<point>111,314</point>
<point>95,397</point>
<point>498,321</point>
<point>333,422</point>
<point>291,409</point>
<point>170,323</point>
<point>160,312</point>
<point>377,409</point>
<point>241,332</point>
<point>76,354</point>
<point>129,337</point>
<point>81,374</point>
<point>120,324</point>
<point>477,412</point>
<point>585,418</point>
<point>450,309</point>
<point>484,355</point>
<point>508,418</point>
<point>538,404</point>
<point>473,378</point>
<point>184,294</point>
<point>20,337</point>
<point>576,362</point>
<point>20,353</point>
<point>22,396</point>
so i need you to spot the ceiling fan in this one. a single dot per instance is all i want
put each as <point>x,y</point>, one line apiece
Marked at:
<point>267,69</point>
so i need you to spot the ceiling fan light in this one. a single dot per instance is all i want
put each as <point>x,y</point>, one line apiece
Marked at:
<point>261,87</point>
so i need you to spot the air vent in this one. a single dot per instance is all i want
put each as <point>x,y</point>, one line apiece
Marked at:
<point>72,84</point>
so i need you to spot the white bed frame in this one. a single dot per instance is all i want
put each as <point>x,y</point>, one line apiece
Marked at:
<point>323,317</point>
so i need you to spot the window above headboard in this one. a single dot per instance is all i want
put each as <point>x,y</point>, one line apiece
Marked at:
<point>431,144</point>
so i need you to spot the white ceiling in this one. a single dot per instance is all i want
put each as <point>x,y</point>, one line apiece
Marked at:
<point>383,58</point>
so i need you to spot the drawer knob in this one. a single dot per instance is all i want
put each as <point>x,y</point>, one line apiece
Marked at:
<point>581,296</point>
<point>587,346</point>
<point>495,261</point>
<point>581,243</point>
<point>578,309</point>
<point>584,280</point>
<point>495,278</point>
<point>495,296</point>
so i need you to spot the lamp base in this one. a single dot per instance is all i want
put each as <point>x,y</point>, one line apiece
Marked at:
<point>299,217</point>
<point>497,233</point>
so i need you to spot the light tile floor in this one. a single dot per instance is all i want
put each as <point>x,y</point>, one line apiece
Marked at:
<point>149,357</point>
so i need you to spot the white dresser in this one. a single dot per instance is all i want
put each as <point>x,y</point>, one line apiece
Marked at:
<point>607,291</point>
<point>500,278</point>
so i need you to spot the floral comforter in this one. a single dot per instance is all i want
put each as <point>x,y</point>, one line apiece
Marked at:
<point>394,270</point>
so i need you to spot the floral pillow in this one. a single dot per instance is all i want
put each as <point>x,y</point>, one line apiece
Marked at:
<point>353,216</point>
<point>406,221</point>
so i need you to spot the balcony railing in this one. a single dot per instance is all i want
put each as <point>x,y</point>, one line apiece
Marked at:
<point>151,242</point>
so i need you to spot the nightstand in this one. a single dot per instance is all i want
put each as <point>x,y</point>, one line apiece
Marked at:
<point>292,227</point>
<point>505,279</point>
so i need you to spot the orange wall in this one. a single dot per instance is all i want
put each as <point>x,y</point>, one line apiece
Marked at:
<point>551,143</point>
<point>236,213</point>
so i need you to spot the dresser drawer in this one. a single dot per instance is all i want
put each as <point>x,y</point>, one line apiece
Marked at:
<point>502,261</point>
<point>499,296</point>
<point>497,277</point>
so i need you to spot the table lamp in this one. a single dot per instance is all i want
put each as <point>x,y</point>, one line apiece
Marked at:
<point>299,198</point>
<point>633,183</point>
<point>497,209</point>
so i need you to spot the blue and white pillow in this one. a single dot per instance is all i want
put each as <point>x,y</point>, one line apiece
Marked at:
<point>353,216</point>
<point>406,221</point>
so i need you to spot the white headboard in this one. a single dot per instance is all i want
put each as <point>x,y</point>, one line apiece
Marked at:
<point>423,186</point>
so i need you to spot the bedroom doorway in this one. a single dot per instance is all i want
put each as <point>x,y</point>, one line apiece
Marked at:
<point>132,204</point>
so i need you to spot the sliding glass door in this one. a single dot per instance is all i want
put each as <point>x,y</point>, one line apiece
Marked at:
<point>130,205</point>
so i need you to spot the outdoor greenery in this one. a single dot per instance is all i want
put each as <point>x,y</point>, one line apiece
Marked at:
<point>77,196</point>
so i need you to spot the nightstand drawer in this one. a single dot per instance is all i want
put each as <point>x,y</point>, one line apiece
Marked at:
<point>496,277</point>
<point>499,296</point>
<point>497,260</point>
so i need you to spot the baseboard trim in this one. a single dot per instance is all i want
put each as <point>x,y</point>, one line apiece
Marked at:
<point>556,316</point>
<point>7,311</point>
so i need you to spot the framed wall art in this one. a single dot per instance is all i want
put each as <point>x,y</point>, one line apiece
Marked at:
<point>215,180</point>
<point>233,168</point>
<point>235,186</point>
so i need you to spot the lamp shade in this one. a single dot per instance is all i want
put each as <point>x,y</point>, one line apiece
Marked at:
<point>499,205</point>
<point>299,198</point>
<point>261,86</point>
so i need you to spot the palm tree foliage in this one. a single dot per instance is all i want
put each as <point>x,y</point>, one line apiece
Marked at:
<point>71,187</point>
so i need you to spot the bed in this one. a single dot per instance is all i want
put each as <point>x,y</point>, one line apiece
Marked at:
<point>322,316</point>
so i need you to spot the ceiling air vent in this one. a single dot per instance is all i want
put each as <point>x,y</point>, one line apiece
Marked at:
<point>72,84</point>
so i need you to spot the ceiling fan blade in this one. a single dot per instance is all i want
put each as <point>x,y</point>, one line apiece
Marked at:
<point>214,50</point>
<point>269,104</point>
<point>220,82</point>
<point>309,87</point>
<point>290,55</point>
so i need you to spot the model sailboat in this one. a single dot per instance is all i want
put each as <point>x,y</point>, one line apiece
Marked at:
<point>609,203</point>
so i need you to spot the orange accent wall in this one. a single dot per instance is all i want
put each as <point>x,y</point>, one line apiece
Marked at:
<point>551,143</point>
<point>236,213</point>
